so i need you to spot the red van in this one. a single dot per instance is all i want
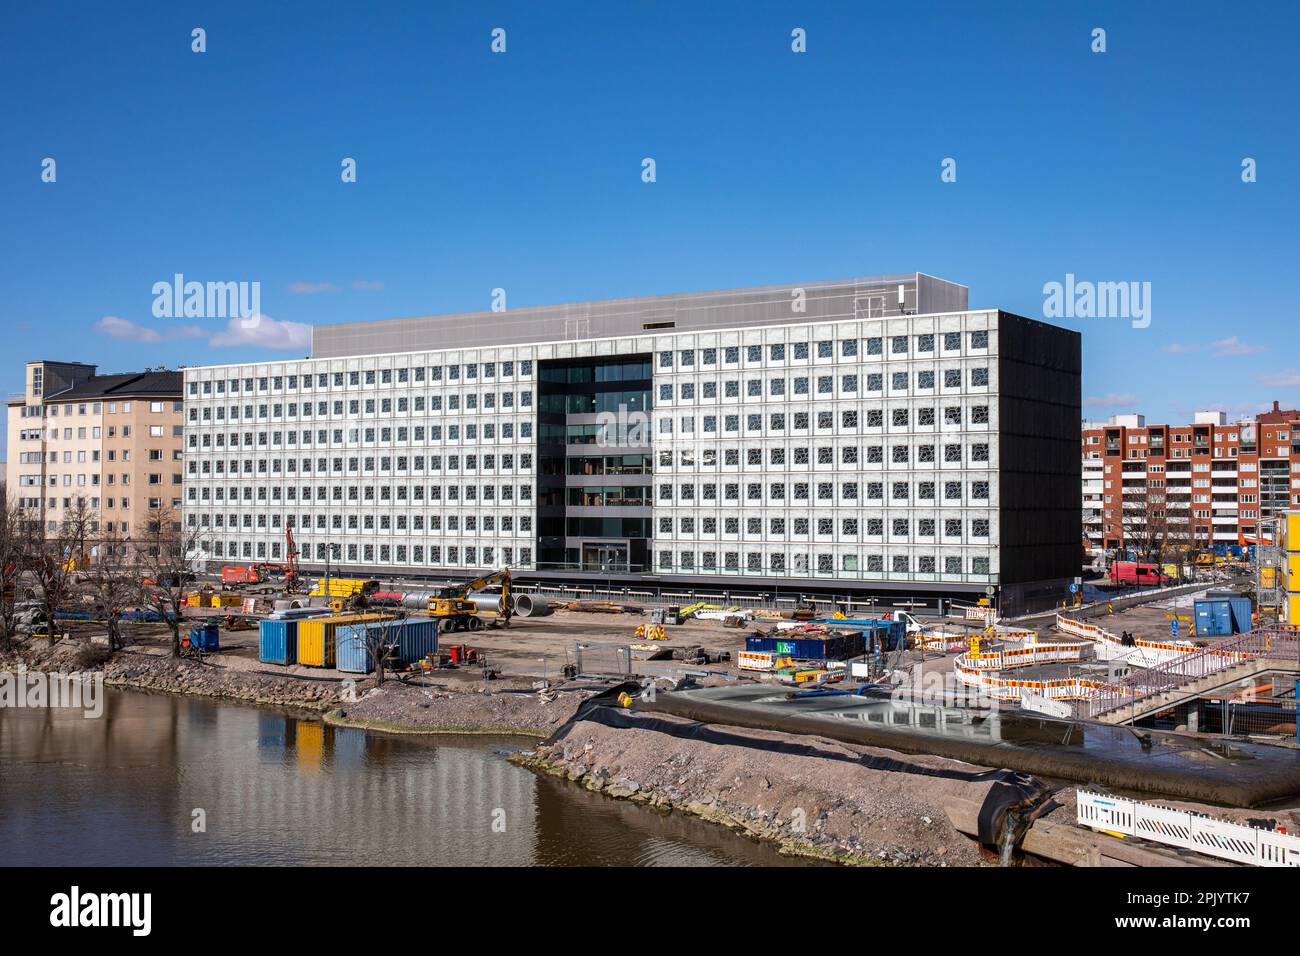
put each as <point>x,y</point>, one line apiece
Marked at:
<point>1137,574</point>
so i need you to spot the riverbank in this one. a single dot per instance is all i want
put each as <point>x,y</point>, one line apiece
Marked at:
<point>826,805</point>
<point>811,797</point>
<point>456,705</point>
<point>405,709</point>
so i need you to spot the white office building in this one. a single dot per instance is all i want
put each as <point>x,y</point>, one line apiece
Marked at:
<point>866,436</point>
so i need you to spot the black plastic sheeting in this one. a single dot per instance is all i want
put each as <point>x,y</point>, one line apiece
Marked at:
<point>1226,773</point>
<point>1012,803</point>
<point>608,716</point>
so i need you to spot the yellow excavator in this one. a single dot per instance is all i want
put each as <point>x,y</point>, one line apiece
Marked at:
<point>457,612</point>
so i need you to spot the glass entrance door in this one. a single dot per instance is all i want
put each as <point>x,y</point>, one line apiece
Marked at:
<point>604,556</point>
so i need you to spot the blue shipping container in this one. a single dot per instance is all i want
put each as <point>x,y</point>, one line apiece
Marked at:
<point>1240,609</point>
<point>1222,616</point>
<point>351,652</point>
<point>415,639</point>
<point>278,642</point>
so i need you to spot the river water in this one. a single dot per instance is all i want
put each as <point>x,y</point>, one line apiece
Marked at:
<point>164,780</point>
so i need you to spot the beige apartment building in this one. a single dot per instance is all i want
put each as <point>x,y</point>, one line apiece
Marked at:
<point>110,443</point>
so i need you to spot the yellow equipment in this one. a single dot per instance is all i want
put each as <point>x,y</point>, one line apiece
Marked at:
<point>458,613</point>
<point>344,587</point>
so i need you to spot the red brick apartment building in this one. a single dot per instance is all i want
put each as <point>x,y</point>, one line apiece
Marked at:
<point>1206,483</point>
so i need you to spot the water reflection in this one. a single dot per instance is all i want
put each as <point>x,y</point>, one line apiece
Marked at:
<point>275,789</point>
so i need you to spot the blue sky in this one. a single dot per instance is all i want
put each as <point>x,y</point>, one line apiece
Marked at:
<point>522,170</point>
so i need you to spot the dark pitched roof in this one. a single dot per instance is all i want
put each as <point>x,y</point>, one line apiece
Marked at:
<point>166,384</point>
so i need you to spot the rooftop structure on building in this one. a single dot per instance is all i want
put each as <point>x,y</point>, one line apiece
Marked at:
<point>828,301</point>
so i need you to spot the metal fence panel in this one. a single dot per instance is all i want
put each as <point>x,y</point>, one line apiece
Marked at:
<point>604,660</point>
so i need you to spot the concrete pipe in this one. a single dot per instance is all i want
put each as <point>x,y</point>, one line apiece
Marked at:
<point>488,602</point>
<point>527,605</point>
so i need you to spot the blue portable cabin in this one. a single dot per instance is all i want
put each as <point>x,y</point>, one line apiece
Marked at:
<point>415,638</point>
<point>351,650</point>
<point>277,642</point>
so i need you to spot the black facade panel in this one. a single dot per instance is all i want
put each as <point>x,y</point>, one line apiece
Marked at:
<point>1039,407</point>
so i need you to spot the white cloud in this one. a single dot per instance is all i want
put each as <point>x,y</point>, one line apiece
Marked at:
<point>1288,379</point>
<point>262,331</point>
<point>312,288</point>
<point>1234,346</point>
<point>368,285</point>
<point>125,330</point>
<point>1221,347</point>
<point>1112,400</point>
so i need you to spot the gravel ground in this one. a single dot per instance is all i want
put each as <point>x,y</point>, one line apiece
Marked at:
<point>811,805</point>
<point>469,709</point>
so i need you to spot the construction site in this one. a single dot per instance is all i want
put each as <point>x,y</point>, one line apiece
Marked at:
<point>1141,727</point>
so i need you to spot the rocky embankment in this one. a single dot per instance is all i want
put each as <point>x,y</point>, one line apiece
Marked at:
<point>828,805</point>
<point>474,709</point>
<point>157,670</point>
<point>173,676</point>
<point>458,708</point>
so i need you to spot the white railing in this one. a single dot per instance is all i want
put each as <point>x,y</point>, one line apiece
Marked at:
<point>1191,831</point>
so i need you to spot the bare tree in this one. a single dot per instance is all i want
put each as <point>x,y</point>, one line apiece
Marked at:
<point>14,552</point>
<point>115,584</point>
<point>1149,527</point>
<point>377,640</point>
<point>77,531</point>
<point>165,554</point>
<point>51,564</point>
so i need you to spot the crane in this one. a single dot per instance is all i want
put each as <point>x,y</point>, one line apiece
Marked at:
<point>454,607</point>
<point>264,571</point>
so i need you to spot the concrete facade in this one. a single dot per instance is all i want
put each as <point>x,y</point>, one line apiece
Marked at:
<point>863,452</point>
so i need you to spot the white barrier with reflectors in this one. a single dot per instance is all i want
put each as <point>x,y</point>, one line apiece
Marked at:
<point>1191,831</point>
<point>1044,705</point>
<point>756,660</point>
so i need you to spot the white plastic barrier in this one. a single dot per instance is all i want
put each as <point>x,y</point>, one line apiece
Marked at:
<point>1192,831</point>
<point>1141,653</point>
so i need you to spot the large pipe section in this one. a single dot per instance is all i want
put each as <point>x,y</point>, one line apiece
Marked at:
<point>526,605</point>
<point>488,602</point>
<point>419,600</point>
